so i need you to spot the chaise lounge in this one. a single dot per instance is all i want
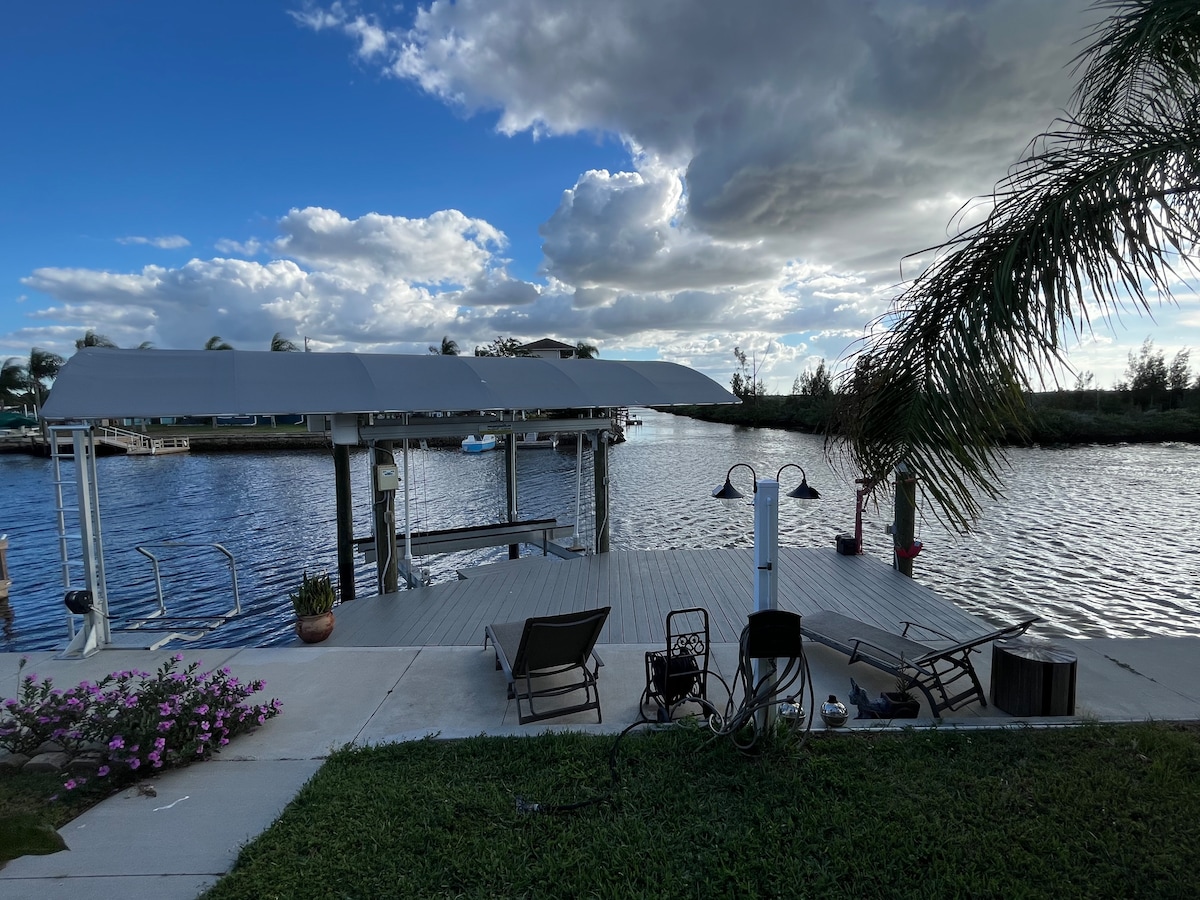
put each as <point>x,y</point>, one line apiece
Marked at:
<point>549,656</point>
<point>931,670</point>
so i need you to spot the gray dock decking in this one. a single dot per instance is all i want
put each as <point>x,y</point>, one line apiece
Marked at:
<point>642,587</point>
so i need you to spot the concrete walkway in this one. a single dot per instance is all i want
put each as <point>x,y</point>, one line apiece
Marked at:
<point>176,834</point>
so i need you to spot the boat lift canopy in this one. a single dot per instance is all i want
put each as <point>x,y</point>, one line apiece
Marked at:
<point>102,383</point>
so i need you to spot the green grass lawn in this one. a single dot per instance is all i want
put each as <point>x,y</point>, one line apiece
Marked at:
<point>1095,811</point>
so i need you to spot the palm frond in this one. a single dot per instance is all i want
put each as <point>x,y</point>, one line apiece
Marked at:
<point>1094,220</point>
<point>1143,58</point>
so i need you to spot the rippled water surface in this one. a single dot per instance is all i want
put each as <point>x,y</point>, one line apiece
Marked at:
<point>1100,541</point>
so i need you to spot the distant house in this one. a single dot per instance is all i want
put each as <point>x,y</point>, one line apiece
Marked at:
<point>548,348</point>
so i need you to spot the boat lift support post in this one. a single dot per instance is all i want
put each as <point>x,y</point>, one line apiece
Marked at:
<point>95,634</point>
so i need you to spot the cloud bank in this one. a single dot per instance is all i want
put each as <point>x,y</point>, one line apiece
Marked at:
<point>783,158</point>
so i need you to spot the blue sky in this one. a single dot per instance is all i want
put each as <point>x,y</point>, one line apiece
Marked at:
<point>664,180</point>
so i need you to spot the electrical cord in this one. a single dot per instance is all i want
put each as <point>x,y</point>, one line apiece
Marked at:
<point>728,724</point>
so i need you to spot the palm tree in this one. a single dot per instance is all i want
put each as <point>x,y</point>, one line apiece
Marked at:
<point>14,382</point>
<point>586,351</point>
<point>278,344</point>
<point>43,366</point>
<point>92,339</point>
<point>1098,215</point>
<point>215,343</point>
<point>448,347</point>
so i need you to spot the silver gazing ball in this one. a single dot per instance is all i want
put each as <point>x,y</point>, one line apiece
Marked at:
<point>833,712</point>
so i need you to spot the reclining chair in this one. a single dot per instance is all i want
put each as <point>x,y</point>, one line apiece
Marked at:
<point>549,656</point>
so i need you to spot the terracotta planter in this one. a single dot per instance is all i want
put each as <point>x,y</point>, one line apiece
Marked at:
<point>314,629</point>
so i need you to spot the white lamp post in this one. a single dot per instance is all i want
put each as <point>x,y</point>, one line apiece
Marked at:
<point>766,544</point>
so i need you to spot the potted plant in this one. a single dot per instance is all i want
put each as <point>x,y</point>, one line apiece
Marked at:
<point>313,603</point>
<point>900,703</point>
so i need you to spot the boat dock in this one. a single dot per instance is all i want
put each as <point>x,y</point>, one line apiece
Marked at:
<point>642,586</point>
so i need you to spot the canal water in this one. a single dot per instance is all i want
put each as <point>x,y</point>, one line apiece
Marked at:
<point>1099,541</point>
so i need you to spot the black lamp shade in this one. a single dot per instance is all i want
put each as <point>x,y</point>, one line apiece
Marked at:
<point>804,492</point>
<point>727,492</point>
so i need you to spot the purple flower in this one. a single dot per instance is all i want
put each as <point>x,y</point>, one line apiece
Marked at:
<point>164,708</point>
<point>166,725</point>
<point>71,784</point>
<point>134,762</point>
<point>116,743</point>
<point>102,771</point>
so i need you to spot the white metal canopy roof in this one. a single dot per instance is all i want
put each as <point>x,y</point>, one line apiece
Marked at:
<point>98,383</point>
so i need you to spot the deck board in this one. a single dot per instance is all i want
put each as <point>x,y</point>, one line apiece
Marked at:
<point>642,587</point>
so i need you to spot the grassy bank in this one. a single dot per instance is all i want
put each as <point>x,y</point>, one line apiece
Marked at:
<point>1056,417</point>
<point>1082,812</point>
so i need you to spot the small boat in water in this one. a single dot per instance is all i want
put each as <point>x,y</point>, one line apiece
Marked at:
<point>474,443</point>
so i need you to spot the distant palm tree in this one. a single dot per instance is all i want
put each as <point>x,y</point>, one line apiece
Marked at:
<point>1097,218</point>
<point>279,344</point>
<point>215,343</point>
<point>586,351</point>
<point>14,382</point>
<point>91,339</point>
<point>43,366</point>
<point>448,348</point>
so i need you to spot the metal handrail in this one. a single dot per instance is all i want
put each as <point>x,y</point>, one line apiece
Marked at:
<point>162,605</point>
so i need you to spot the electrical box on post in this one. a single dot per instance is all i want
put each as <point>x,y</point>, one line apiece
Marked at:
<point>387,478</point>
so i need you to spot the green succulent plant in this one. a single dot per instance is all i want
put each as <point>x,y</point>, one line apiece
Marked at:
<point>314,597</point>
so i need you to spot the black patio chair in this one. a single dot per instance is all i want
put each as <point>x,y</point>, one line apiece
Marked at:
<point>549,656</point>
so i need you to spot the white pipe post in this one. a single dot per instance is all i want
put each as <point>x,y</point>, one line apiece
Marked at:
<point>95,633</point>
<point>408,557</point>
<point>766,582</point>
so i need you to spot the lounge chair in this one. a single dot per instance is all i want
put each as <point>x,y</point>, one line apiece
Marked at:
<point>931,670</point>
<point>556,652</point>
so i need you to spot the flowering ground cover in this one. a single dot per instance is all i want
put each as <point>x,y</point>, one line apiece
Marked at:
<point>123,727</point>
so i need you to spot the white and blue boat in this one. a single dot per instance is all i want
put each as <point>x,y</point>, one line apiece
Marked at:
<point>474,443</point>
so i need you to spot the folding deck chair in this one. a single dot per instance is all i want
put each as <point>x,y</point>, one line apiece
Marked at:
<point>931,670</point>
<point>555,650</point>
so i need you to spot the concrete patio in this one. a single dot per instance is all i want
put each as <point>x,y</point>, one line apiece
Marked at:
<point>177,840</point>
